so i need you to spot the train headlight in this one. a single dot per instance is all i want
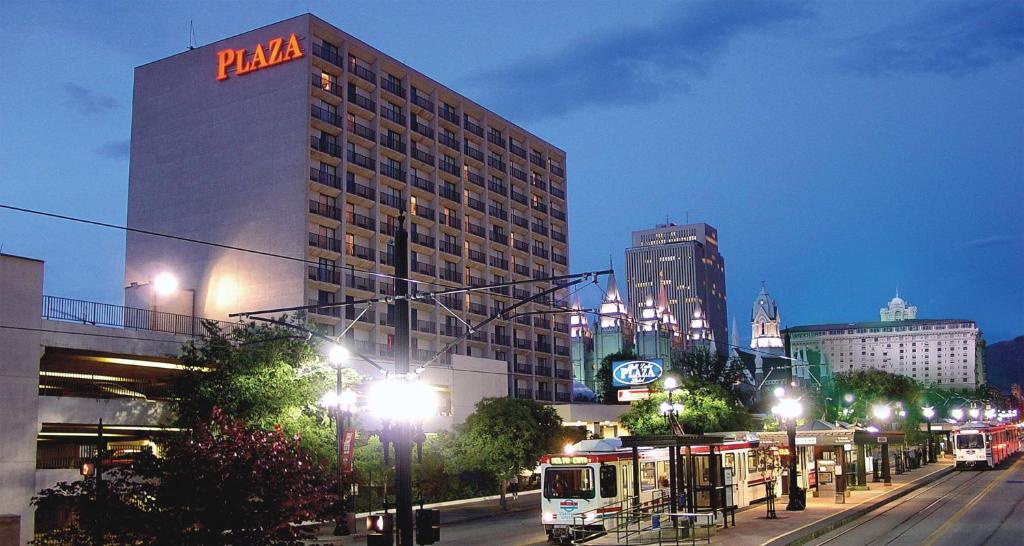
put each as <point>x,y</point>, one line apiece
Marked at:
<point>549,517</point>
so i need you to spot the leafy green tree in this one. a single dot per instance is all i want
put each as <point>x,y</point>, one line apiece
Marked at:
<point>263,374</point>
<point>706,408</point>
<point>606,392</point>
<point>505,436</point>
<point>871,387</point>
<point>715,368</point>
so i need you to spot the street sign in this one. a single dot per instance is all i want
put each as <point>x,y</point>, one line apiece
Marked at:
<point>806,441</point>
<point>883,440</point>
<point>628,395</point>
<point>632,373</point>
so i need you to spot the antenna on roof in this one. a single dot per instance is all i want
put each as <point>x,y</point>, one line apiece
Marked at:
<point>191,35</point>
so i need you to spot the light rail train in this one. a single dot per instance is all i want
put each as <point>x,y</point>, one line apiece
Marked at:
<point>985,445</point>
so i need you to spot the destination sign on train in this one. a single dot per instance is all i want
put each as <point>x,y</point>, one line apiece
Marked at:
<point>629,373</point>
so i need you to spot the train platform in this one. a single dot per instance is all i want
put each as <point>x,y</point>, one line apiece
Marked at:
<point>753,528</point>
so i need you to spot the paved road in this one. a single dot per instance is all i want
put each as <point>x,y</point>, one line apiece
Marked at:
<point>509,529</point>
<point>969,508</point>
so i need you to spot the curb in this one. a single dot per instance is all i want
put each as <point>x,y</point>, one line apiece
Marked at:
<point>836,521</point>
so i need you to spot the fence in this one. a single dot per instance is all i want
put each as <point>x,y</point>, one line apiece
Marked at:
<point>118,316</point>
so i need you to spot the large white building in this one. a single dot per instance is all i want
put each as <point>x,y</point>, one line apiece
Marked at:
<point>942,352</point>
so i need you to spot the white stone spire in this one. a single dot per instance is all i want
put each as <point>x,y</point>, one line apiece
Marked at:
<point>613,308</point>
<point>764,324</point>
<point>735,333</point>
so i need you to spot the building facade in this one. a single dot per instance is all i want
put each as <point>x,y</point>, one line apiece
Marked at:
<point>299,140</point>
<point>941,352</point>
<point>685,260</point>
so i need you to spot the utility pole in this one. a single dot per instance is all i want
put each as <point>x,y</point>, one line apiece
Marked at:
<point>403,439</point>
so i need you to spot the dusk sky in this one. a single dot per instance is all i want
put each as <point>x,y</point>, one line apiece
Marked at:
<point>842,149</point>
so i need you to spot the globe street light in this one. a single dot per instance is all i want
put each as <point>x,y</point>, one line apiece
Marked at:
<point>789,410</point>
<point>165,283</point>
<point>990,413</point>
<point>957,414</point>
<point>882,412</point>
<point>929,412</point>
<point>974,412</point>
<point>342,403</point>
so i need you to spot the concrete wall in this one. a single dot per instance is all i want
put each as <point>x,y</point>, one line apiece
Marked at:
<point>21,289</point>
<point>227,162</point>
<point>115,411</point>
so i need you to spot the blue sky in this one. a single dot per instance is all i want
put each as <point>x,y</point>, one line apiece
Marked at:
<point>842,149</point>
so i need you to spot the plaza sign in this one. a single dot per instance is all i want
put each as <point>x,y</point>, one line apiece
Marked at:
<point>274,53</point>
<point>630,373</point>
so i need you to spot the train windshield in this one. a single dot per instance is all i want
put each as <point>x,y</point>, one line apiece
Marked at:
<point>569,483</point>
<point>970,441</point>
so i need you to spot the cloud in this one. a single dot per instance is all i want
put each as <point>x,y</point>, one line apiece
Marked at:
<point>632,65</point>
<point>956,39</point>
<point>87,101</point>
<point>114,149</point>
<point>993,241</point>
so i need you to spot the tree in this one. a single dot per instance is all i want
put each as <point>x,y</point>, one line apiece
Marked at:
<point>871,387</point>
<point>715,368</point>
<point>706,408</point>
<point>606,391</point>
<point>505,436</point>
<point>225,483</point>
<point>263,374</point>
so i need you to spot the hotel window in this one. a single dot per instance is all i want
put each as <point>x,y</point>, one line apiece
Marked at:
<point>328,81</point>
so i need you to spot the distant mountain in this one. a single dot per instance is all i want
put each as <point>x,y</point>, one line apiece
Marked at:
<point>1004,363</point>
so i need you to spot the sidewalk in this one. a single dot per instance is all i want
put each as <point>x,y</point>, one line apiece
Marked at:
<point>452,512</point>
<point>821,515</point>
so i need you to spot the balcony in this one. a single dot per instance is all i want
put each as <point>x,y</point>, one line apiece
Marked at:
<point>543,347</point>
<point>386,258</point>
<point>325,242</point>
<point>475,178</point>
<point>361,130</point>
<point>476,281</point>
<point>539,228</point>
<point>324,177</point>
<point>392,115</point>
<point>561,351</point>
<point>327,312</point>
<point>558,236</point>
<point>521,294</point>
<point>423,156</point>
<point>388,228</point>
<point>421,239</point>
<point>449,219</point>
<point>523,344</point>
<point>520,174</point>
<point>524,394</point>
<point>495,162</point>
<point>557,193</point>
<point>558,171</point>
<point>539,274</point>
<point>451,330</point>
<point>327,82</point>
<point>476,229</point>
<point>325,210</point>
<point>540,206</point>
<point>392,201</point>
<point>523,270</point>
<point>563,397</point>
<point>423,129</point>
<point>519,151</point>
<point>421,183</point>
<point>495,138</point>
<point>499,339</point>
<point>387,288</point>
<point>328,275</point>
<point>325,115</point>
<point>499,238</point>
<point>540,252</point>
<point>359,283</point>
<point>453,248</point>
<point>500,263</point>
<point>449,167</point>
<point>497,212</point>
<point>562,373</point>
<point>477,256</point>
<point>359,159</point>
<point>326,146</point>
<point>519,197</point>
<point>497,187</point>
<point>425,326</point>
<point>449,115</point>
<point>452,301</point>
<point>392,86</point>
<point>562,327</point>
<point>474,152</point>
<point>423,268</point>
<point>366,103</point>
<point>328,54</point>
<point>542,322</point>
<point>421,101</point>
<point>524,321</point>
<point>359,251</point>
<point>544,395</point>
<point>538,160</point>
<point>472,127</point>
<point>559,259</point>
<point>523,367</point>
<point>451,194</point>
<point>539,183</point>
<point>479,309</point>
<point>557,214</point>
<point>421,211</point>
<point>450,274</point>
<point>475,204</point>
<point>393,142</point>
<point>448,141</point>
<point>503,290</point>
<point>521,222</point>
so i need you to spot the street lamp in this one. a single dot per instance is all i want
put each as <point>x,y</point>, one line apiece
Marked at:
<point>957,414</point>
<point>882,412</point>
<point>789,410</point>
<point>929,412</point>
<point>342,403</point>
<point>165,283</point>
<point>974,412</point>
<point>990,413</point>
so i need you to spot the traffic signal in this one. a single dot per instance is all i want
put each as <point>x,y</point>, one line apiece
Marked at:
<point>428,526</point>
<point>380,530</point>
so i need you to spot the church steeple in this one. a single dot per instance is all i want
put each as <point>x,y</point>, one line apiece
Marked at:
<point>764,324</point>
<point>613,308</point>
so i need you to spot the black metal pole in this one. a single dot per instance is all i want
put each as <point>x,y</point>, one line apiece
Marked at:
<point>99,524</point>
<point>931,443</point>
<point>341,525</point>
<point>403,440</point>
<point>796,502</point>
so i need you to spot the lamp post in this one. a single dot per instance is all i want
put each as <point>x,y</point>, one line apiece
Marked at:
<point>789,409</point>
<point>928,413</point>
<point>882,412</point>
<point>342,403</point>
<point>974,412</point>
<point>670,409</point>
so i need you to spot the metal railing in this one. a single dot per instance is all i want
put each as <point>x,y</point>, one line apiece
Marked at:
<point>119,316</point>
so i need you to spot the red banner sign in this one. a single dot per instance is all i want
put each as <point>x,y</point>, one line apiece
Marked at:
<point>348,449</point>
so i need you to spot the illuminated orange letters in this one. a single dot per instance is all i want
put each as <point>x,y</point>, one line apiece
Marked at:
<point>262,57</point>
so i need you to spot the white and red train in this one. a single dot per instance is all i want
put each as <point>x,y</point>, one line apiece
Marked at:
<point>986,445</point>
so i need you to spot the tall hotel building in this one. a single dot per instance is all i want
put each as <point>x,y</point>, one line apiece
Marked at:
<point>685,260</point>
<point>299,139</point>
